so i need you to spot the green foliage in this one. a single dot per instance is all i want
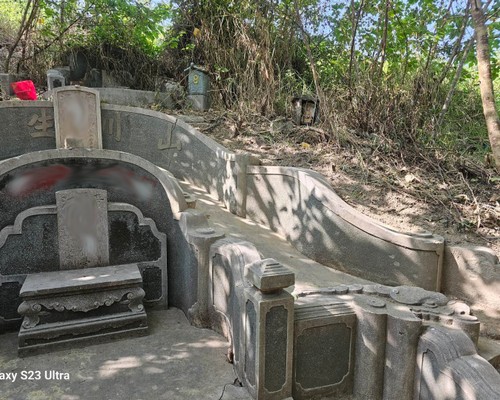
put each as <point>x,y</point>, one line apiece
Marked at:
<point>10,18</point>
<point>126,23</point>
<point>382,67</point>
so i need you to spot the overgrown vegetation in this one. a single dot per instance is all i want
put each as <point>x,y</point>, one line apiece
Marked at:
<point>397,80</point>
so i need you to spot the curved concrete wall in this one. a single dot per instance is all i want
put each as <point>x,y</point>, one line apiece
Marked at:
<point>32,180</point>
<point>302,206</point>
<point>297,203</point>
<point>161,139</point>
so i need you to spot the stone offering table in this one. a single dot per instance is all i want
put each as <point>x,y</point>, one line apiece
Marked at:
<point>76,305</point>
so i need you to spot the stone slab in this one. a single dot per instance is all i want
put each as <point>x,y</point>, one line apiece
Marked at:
<point>75,333</point>
<point>324,346</point>
<point>77,117</point>
<point>74,306</point>
<point>80,280</point>
<point>82,221</point>
<point>26,126</point>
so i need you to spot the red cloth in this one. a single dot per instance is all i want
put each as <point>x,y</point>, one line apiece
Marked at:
<point>24,90</point>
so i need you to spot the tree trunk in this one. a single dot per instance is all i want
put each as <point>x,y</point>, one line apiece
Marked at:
<point>486,82</point>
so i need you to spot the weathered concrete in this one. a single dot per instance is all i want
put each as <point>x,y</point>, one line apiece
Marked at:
<point>472,274</point>
<point>301,205</point>
<point>81,305</point>
<point>127,178</point>
<point>448,367</point>
<point>174,362</point>
<point>136,98</point>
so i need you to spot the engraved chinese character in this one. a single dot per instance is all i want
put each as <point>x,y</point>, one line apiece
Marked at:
<point>166,142</point>
<point>45,122</point>
<point>113,127</point>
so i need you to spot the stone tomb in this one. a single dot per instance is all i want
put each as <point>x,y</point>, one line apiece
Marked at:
<point>363,340</point>
<point>84,299</point>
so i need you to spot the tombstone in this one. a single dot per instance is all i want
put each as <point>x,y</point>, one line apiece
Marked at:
<point>5,81</point>
<point>82,220</point>
<point>78,65</point>
<point>198,88</point>
<point>305,110</point>
<point>64,71</point>
<point>77,118</point>
<point>93,78</point>
<point>55,79</point>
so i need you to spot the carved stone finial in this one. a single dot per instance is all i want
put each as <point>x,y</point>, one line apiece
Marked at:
<point>269,275</point>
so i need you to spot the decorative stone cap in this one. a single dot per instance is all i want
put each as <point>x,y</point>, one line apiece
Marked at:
<point>269,275</point>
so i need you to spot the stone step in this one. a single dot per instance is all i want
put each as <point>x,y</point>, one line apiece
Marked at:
<point>489,349</point>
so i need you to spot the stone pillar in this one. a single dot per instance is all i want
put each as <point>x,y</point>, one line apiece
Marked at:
<point>227,302</point>
<point>268,327</point>
<point>400,357</point>
<point>200,237</point>
<point>240,171</point>
<point>370,352</point>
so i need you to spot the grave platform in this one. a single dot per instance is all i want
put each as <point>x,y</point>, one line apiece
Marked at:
<point>82,305</point>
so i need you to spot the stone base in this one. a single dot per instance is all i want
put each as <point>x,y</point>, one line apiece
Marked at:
<point>198,102</point>
<point>80,305</point>
<point>55,336</point>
